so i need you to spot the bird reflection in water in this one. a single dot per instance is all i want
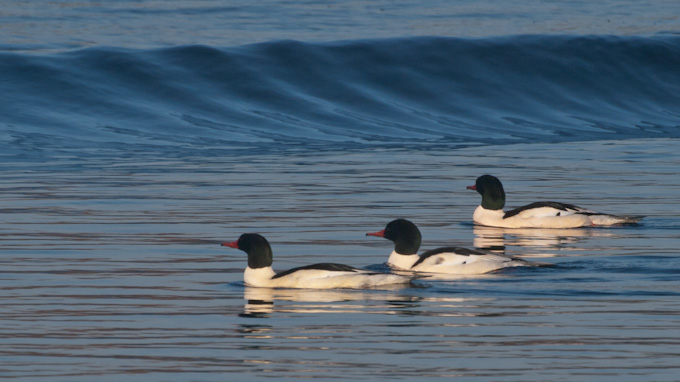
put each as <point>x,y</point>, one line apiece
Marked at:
<point>536,242</point>
<point>262,302</point>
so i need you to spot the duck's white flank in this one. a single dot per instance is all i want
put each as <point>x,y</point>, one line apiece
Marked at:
<point>320,279</point>
<point>543,217</point>
<point>453,263</point>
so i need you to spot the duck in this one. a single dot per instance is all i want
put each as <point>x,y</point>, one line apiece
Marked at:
<point>450,260</point>
<point>259,272</point>
<point>538,214</point>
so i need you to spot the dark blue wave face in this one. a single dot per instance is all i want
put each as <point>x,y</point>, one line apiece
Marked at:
<point>285,95</point>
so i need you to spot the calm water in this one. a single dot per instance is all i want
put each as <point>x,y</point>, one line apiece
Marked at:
<point>137,136</point>
<point>65,25</point>
<point>113,270</point>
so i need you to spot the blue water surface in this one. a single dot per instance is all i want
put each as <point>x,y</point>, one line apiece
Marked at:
<point>139,135</point>
<point>355,94</point>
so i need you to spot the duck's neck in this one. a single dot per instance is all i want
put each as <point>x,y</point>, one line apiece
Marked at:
<point>402,261</point>
<point>258,277</point>
<point>492,218</point>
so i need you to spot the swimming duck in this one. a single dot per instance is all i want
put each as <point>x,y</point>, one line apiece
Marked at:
<point>535,215</point>
<point>259,272</point>
<point>452,260</point>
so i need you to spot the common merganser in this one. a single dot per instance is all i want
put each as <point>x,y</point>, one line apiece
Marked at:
<point>259,272</point>
<point>452,260</point>
<point>535,215</point>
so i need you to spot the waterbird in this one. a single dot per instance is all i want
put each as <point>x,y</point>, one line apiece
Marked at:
<point>535,215</point>
<point>451,260</point>
<point>259,272</point>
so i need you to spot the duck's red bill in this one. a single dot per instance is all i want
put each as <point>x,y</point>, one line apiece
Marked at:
<point>231,245</point>
<point>377,234</point>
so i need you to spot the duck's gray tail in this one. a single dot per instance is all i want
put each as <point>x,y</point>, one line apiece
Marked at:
<point>604,219</point>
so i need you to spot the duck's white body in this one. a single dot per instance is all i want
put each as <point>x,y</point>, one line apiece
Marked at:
<point>320,279</point>
<point>542,217</point>
<point>449,262</point>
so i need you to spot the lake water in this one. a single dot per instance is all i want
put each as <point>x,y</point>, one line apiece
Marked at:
<point>128,158</point>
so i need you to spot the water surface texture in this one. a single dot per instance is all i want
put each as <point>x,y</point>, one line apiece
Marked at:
<point>137,136</point>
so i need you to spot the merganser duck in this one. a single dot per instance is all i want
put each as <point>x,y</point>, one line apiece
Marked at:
<point>535,215</point>
<point>259,272</point>
<point>452,260</point>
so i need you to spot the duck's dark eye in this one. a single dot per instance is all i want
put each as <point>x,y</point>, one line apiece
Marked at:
<point>558,214</point>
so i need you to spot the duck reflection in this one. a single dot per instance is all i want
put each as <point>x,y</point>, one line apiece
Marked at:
<point>262,302</point>
<point>426,302</point>
<point>497,240</point>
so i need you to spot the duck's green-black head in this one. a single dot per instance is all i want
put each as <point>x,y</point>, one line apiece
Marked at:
<point>257,247</point>
<point>491,189</point>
